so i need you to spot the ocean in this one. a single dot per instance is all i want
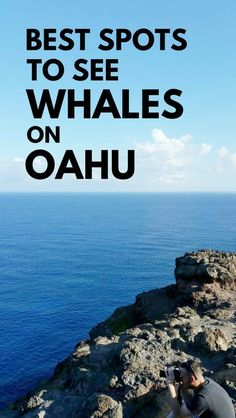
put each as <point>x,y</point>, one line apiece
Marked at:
<point>68,260</point>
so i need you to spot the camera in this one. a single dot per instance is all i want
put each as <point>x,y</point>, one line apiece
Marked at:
<point>176,372</point>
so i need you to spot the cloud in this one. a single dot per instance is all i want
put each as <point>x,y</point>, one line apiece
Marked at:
<point>205,148</point>
<point>170,147</point>
<point>182,162</point>
<point>222,152</point>
<point>171,178</point>
<point>12,173</point>
<point>40,162</point>
<point>18,160</point>
<point>163,163</point>
<point>226,157</point>
<point>167,157</point>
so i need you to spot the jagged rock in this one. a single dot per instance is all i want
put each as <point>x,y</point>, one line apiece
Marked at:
<point>206,266</point>
<point>33,402</point>
<point>212,340</point>
<point>116,373</point>
<point>101,406</point>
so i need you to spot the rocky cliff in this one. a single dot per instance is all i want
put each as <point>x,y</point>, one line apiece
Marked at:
<point>115,373</point>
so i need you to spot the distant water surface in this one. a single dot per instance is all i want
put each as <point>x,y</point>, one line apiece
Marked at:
<point>67,260</point>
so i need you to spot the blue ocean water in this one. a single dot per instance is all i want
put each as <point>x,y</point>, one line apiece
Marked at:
<point>67,260</point>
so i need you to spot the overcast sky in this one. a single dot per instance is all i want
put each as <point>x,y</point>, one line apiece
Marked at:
<point>196,152</point>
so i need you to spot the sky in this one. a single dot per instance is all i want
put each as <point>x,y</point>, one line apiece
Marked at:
<point>195,152</point>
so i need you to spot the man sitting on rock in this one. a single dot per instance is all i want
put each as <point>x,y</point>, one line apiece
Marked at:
<point>207,400</point>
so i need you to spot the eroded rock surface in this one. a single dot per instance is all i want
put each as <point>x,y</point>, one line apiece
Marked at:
<point>115,374</point>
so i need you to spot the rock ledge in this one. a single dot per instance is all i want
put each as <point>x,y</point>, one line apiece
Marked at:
<point>115,373</point>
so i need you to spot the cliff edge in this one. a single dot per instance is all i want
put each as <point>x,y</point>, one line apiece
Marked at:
<point>115,374</point>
